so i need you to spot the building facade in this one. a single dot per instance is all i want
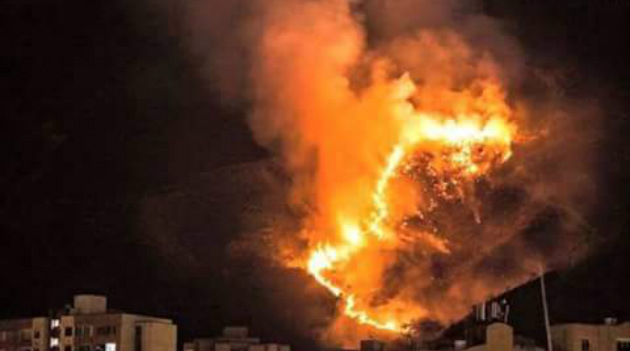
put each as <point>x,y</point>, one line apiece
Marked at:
<point>233,339</point>
<point>24,334</point>
<point>498,337</point>
<point>89,326</point>
<point>609,336</point>
<point>495,336</point>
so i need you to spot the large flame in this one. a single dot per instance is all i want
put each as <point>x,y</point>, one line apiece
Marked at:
<point>461,148</point>
<point>407,199</point>
<point>382,142</point>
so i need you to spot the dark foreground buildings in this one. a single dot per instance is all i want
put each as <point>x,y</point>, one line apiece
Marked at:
<point>88,326</point>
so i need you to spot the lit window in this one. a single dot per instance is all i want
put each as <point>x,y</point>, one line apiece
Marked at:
<point>110,346</point>
<point>54,323</point>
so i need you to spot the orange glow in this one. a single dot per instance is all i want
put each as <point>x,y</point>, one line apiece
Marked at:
<point>373,152</point>
<point>462,147</point>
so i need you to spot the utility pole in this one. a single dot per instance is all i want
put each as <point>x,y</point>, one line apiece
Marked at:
<point>543,291</point>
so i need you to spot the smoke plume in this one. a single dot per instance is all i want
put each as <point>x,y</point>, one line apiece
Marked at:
<point>338,87</point>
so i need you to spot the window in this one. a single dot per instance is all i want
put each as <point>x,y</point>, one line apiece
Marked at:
<point>623,345</point>
<point>25,334</point>
<point>106,330</point>
<point>11,336</point>
<point>36,335</point>
<point>67,331</point>
<point>83,331</point>
<point>138,338</point>
<point>586,345</point>
<point>67,348</point>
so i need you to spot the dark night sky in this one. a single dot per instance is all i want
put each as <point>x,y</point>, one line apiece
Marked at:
<point>102,108</point>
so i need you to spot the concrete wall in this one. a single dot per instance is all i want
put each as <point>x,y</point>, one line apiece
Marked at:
<point>66,322</point>
<point>499,337</point>
<point>127,333</point>
<point>17,334</point>
<point>570,337</point>
<point>41,326</point>
<point>98,329</point>
<point>203,345</point>
<point>158,336</point>
<point>90,304</point>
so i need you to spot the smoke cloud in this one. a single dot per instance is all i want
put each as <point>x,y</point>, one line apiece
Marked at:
<point>327,82</point>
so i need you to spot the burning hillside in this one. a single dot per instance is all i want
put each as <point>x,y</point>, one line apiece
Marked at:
<point>420,174</point>
<point>444,154</point>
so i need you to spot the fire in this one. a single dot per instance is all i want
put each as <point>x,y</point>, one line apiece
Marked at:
<point>395,123</point>
<point>461,148</point>
<point>375,152</point>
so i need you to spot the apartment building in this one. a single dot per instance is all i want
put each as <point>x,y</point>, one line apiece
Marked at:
<point>28,334</point>
<point>89,326</point>
<point>233,339</point>
<point>609,336</point>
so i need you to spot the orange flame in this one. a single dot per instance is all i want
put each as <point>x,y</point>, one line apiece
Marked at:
<point>463,147</point>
